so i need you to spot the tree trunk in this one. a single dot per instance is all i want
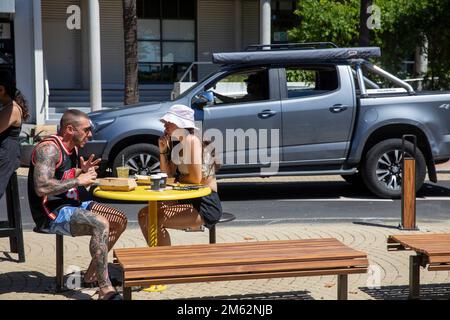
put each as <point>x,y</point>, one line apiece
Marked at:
<point>131,52</point>
<point>364,35</point>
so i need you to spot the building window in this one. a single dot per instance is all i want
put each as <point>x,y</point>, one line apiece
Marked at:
<point>283,19</point>
<point>166,39</point>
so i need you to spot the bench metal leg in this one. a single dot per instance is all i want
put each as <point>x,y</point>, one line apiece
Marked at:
<point>127,293</point>
<point>59,263</point>
<point>342,287</point>
<point>414,277</point>
<point>212,234</point>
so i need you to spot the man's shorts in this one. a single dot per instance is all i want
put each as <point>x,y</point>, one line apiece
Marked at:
<point>61,225</point>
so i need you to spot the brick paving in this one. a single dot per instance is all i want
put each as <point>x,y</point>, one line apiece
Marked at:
<point>34,278</point>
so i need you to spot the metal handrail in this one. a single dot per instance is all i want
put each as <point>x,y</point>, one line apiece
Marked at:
<point>189,70</point>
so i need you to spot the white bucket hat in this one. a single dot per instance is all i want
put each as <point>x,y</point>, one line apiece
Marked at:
<point>180,115</point>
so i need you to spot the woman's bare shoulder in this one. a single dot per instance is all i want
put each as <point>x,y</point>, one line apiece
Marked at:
<point>17,114</point>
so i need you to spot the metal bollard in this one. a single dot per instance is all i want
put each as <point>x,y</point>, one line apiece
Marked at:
<point>408,186</point>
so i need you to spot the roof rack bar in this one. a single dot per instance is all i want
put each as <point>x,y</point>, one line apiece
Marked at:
<point>284,46</point>
<point>360,77</point>
<point>391,77</point>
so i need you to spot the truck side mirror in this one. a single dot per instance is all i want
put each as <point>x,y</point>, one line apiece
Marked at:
<point>204,99</point>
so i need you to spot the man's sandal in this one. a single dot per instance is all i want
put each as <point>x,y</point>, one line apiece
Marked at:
<point>112,296</point>
<point>114,282</point>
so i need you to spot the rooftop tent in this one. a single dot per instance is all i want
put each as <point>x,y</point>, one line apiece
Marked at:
<point>275,56</point>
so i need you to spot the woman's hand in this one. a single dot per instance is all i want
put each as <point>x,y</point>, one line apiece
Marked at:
<point>163,143</point>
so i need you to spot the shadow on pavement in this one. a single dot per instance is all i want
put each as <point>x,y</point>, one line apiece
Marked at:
<point>296,295</point>
<point>289,190</point>
<point>370,224</point>
<point>36,283</point>
<point>427,292</point>
<point>310,190</point>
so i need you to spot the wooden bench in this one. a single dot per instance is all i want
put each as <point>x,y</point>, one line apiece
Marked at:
<point>239,261</point>
<point>433,250</point>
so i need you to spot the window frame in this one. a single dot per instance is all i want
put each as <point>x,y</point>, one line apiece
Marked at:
<point>283,80</point>
<point>161,63</point>
<point>272,78</point>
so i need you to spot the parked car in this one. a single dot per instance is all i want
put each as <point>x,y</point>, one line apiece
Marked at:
<point>332,119</point>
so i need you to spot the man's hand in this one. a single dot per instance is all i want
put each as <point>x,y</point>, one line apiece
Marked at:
<point>88,178</point>
<point>85,165</point>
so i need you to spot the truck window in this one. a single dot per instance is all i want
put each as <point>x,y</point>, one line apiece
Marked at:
<point>243,86</point>
<point>310,81</point>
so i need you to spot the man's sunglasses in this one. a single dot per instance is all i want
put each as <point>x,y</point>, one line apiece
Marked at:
<point>86,130</point>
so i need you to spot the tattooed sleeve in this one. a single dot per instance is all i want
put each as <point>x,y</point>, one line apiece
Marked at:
<point>46,159</point>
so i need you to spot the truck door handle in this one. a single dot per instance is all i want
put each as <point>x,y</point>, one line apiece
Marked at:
<point>338,108</point>
<point>266,114</point>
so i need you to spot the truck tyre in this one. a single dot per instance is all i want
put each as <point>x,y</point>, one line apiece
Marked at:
<point>382,168</point>
<point>142,158</point>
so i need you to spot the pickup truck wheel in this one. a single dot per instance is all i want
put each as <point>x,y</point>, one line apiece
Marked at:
<point>382,169</point>
<point>142,158</point>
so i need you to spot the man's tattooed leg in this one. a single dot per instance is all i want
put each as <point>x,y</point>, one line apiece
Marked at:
<point>84,222</point>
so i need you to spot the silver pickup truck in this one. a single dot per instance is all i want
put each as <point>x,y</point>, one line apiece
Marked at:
<point>308,110</point>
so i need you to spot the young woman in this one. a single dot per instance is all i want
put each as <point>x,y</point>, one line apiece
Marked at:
<point>189,162</point>
<point>13,111</point>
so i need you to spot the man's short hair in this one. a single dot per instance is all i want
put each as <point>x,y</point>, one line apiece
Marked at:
<point>71,117</point>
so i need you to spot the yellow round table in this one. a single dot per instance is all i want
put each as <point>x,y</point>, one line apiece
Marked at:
<point>143,193</point>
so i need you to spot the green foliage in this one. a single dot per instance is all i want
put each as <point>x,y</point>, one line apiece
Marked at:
<point>327,20</point>
<point>296,75</point>
<point>405,26</point>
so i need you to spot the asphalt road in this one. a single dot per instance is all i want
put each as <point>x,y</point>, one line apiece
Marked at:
<point>268,202</point>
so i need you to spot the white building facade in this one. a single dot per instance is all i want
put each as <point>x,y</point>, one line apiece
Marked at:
<point>51,41</point>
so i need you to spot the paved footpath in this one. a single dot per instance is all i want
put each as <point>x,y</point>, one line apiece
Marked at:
<point>34,278</point>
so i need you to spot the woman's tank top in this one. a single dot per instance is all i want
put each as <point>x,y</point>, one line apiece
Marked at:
<point>208,164</point>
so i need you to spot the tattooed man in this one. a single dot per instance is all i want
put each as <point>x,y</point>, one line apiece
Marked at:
<point>60,204</point>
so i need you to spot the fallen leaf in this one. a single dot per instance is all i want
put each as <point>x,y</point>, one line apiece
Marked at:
<point>329,285</point>
<point>353,292</point>
<point>248,238</point>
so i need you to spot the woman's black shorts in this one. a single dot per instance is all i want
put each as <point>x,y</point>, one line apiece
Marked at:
<point>209,207</point>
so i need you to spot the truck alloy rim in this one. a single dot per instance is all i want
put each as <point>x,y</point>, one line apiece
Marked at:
<point>143,164</point>
<point>389,169</point>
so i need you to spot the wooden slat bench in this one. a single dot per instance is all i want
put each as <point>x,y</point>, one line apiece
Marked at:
<point>239,261</point>
<point>433,250</point>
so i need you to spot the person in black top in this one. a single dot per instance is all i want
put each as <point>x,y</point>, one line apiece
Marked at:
<point>60,204</point>
<point>13,111</point>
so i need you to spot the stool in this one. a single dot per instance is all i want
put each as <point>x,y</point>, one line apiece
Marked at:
<point>226,217</point>
<point>13,227</point>
<point>59,279</point>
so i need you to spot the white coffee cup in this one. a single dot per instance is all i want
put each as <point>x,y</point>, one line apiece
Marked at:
<point>163,180</point>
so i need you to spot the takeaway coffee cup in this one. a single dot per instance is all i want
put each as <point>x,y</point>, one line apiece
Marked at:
<point>163,180</point>
<point>155,182</point>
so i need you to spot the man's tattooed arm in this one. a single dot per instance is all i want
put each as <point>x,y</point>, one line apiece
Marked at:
<point>46,158</point>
